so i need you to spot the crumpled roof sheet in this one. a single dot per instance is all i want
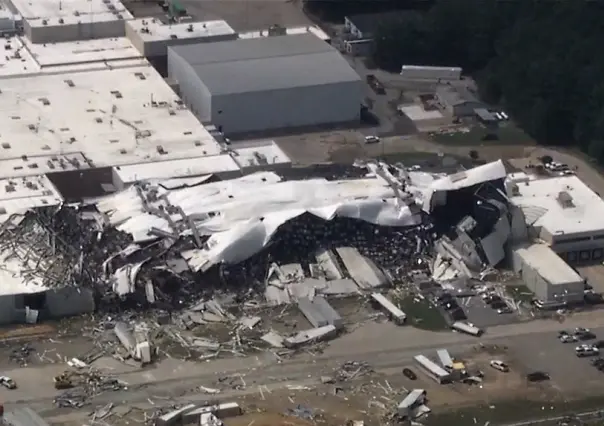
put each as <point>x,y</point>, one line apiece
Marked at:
<point>241,215</point>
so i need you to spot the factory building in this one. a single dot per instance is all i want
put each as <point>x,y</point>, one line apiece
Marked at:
<point>48,21</point>
<point>152,37</point>
<point>457,101</point>
<point>547,275</point>
<point>563,212</point>
<point>260,84</point>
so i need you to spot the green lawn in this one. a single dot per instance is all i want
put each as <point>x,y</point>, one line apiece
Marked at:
<point>507,133</point>
<point>503,412</point>
<point>422,314</point>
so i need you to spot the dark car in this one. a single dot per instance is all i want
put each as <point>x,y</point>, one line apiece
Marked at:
<point>409,374</point>
<point>537,376</point>
<point>597,362</point>
<point>586,335</point>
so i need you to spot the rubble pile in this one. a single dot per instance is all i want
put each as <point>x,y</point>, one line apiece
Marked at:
<point>81,386</point>
<point>170,245</point>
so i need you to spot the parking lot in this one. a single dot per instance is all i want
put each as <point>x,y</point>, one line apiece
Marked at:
<point>546,353</point>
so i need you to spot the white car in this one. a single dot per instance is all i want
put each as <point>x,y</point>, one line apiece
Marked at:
<point>415,168</point>
<point>371,139</point>
<point>504,115</point>
<point>580,330</point>
<point>586,350</point>
<point>568,338</point>
<point>499,365</point>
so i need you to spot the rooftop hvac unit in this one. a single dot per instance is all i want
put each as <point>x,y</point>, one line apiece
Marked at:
<point>111,7</point>
<point>565,200</point>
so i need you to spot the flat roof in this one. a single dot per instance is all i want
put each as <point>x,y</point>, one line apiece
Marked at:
<point>268,63</point>
<point>538,198</point>
<point>311,29</point>
<point>259,154</point>
<point>417,113</point>
<point>112,117</point>
<point>17,195</point>
<point>155,30</point>
<point>70,11</point>
<point>42,164</point>
<point>548,264</point>
<point>16,60</point>
<point>177,168</point>
<point>85,52</point>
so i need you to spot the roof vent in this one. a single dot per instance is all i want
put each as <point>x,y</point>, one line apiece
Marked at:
<point>61,21</point>
<point>76,13</point>
<point>44,22</point>
<point>565,200</point>
<point>190,28</point>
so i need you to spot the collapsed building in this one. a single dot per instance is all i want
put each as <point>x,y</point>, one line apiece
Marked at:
<point>170,243</point>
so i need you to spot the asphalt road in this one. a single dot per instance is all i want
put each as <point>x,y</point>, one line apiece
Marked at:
<point>386,347</point>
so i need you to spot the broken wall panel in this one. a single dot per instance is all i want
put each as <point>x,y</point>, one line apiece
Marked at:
<point>365,273</point>
<point>327,311</point>
<point>311,313</point>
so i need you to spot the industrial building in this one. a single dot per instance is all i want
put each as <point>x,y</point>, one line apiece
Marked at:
<point>563,212</point>
<point>48,21</point>
<point>113,117</point>
<point>266,83</point>
<point>547,275</point>
<point>458,102</point>
<point>152,37</point>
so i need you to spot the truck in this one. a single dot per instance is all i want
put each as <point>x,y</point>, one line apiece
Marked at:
<point>467,328</point>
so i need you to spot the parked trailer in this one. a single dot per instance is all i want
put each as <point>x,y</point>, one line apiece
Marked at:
<point>445,358</point>
<point>464,327</point>
<point>394,313</point>
<point>419,72</point>
<point>433,370</point>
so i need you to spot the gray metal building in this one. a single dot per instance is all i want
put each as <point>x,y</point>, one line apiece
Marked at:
<point>547,275</point>
<point>266,83</point>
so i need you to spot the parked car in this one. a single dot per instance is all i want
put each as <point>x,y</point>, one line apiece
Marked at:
<point>499,365</point>
<point>597,362</point>
<point>371,139</point>
<point>586,350</point>
<point>568,338</point>
<point>585,336</point>
<point>7,382</point>
<point>506,310</point>
<point>537,376</point>
<point>409,374</point>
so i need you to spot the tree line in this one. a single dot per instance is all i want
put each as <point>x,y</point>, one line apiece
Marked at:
<point>540,60</point>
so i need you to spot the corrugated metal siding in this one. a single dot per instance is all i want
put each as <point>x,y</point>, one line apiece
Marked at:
<point>287,108</point>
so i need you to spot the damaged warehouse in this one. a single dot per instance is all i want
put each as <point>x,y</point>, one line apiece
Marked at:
<point>170,244</point>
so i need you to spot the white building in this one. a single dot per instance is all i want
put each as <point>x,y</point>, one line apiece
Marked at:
<point>17,293</point>
<point>152,37</point>
<point>109,117</point>
<point>260,156</point>
<point>563,212</point>
<point>266,83</point>
<point>50,21</point>
<point>547,275</point>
